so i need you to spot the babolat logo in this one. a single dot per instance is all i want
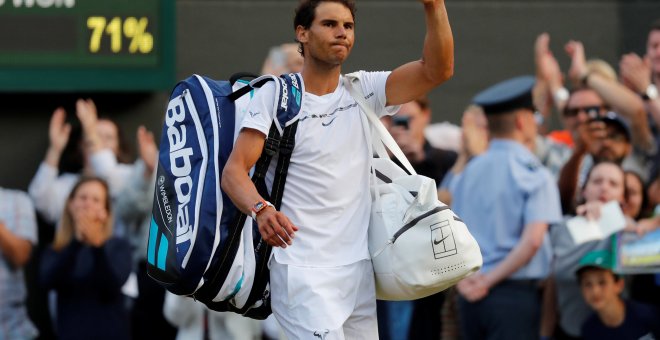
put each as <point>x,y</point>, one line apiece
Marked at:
<point>294,80</point>
<point>296,89</point>
<point>285,95</point>
<point>180,166</point>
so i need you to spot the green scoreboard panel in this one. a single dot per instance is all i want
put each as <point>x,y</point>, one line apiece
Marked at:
<point>87,45</point>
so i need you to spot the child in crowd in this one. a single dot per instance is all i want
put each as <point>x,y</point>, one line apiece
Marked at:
<point>614,317</point>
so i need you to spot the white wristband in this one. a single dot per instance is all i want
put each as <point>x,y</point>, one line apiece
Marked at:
<point>561,95</point>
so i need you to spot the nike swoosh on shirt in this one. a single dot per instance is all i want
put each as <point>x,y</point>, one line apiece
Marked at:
<point>330,122</point>
<point>438,242</point>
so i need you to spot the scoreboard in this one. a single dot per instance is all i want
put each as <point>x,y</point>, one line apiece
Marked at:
<point>87,45</point>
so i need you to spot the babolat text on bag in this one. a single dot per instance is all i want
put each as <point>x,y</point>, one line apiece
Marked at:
<point>200,244</point>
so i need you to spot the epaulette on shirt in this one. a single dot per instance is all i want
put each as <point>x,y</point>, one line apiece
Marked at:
<point>527,171</point>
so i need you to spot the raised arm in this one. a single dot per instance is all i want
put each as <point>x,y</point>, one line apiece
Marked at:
<point>14,247</point>
<point>618,97</point>
<point>416,78</point>
<point>636,75</point>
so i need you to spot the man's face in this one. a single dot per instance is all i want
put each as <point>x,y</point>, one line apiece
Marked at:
<point>614,147</point>
<point>529,128</point>
<point>330,37</point>
<point>653,50</point>
<point>418,119</point>
<point>580,106</point>
<point>599,288</point>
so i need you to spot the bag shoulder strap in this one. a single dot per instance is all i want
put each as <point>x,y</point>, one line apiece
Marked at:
<point>352,83</point>
<point>281,136</point>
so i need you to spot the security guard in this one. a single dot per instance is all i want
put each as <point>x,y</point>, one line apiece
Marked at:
<point>507,199</point>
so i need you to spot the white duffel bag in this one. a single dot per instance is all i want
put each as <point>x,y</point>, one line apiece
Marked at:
<point>418,246</point>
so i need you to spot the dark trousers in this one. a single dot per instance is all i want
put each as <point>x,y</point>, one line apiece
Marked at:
<point>511,310</point>
<point>427,319</point>
<point>147,320</point>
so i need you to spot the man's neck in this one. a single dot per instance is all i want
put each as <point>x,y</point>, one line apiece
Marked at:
<point>614,314</point>
<point>320,79</point>
<point>656,78</point>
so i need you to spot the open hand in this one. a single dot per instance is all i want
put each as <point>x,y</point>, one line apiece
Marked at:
<point>275,228</point>
<point>590,210</point>
<point>87,114</point>
<point>90,225</point>
<point>58,130</point>
<point>147,148</point>
<point>547,67</point>
<point>578,70</point>
<point>635,72</point>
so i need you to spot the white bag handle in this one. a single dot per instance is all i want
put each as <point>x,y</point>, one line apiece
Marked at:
<point>381,132</point>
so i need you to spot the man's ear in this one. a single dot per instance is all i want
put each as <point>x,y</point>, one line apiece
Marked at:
<point>620,284</point>
<point>520,120</point>
<point>426,116</point>
<point>301,34</point>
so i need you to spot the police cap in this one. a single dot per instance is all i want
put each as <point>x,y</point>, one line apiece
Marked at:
<point>507,96</point>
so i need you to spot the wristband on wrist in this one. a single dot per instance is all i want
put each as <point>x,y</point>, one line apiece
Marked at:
<point>560,95</point>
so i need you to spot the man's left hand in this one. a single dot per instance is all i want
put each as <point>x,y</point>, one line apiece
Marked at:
<point>473,288</point>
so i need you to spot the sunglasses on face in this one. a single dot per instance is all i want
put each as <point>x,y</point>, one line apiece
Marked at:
<point>591,111</point>
<point>616,137</point>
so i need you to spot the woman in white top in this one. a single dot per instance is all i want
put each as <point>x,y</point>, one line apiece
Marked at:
<point>100,148</point>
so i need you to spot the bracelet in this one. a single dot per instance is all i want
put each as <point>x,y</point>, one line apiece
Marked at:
<point>561,95</point>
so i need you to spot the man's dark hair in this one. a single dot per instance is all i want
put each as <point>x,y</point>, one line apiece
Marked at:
<point>306,12</point>
<point>655,26</point>
<point>501,124</point>
<point>423,102</point>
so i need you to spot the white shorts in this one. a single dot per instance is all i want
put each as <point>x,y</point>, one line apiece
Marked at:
<point>333,303</point>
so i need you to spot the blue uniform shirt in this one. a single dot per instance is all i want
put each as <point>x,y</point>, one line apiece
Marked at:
<point>501,192</point>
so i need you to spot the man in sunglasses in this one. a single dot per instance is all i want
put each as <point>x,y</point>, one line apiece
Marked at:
<point>596,91</point>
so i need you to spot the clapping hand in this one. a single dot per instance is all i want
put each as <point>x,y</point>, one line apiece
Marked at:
<point>89,226</point>
<point>58,135</point>
<point>88,116</point>
<point>148,150</point>
<point>635,72</point>
<point>578,70</point>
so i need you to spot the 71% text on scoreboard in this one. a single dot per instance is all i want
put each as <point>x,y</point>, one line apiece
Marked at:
<point>135,29</point>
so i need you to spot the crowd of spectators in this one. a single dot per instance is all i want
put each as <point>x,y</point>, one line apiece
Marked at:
<point>98,203</point>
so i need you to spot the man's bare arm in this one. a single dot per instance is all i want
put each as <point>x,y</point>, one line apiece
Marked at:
<point>415,79</point>
<point>275,227</point>
<point>14,248</point>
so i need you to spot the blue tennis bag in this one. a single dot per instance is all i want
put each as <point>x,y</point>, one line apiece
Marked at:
<point>200,244</point>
